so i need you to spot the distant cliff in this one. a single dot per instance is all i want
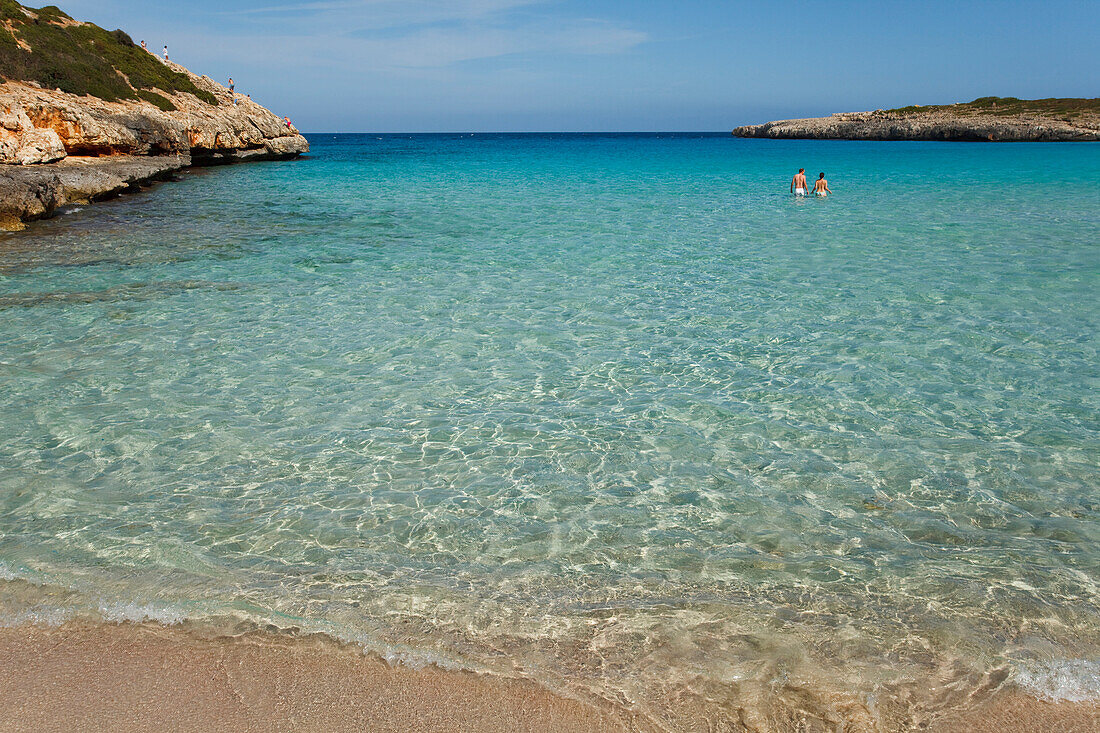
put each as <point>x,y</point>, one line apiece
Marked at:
<point>989,119</point>
<point>72,91</point>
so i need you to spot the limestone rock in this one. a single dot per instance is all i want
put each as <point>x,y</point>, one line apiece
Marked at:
<point>30,192</point>
<point>22,143</point>
<point>985,119</point>
<point>58,148</point>
<point>40,146</point>
<point>27,193</point>
<point>946,122</point>
<point>91,126</point>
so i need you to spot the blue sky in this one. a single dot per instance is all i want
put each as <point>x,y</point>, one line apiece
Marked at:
<point>483,65</point>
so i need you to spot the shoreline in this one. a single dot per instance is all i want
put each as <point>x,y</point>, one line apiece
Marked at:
<point>986,119</point>
<point>33,192</point>
<point>144,676</point>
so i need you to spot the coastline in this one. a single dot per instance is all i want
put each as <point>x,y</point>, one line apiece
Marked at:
<point>59,148</point>
<point>30,193</point>
<point>145,676</point>
<point>987,119</point>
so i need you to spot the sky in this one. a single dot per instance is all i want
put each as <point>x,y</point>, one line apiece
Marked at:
<point>611,65</point>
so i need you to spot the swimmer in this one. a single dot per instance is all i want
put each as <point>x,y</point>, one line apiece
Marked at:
<point>821,186</point>
<point>798,183</point>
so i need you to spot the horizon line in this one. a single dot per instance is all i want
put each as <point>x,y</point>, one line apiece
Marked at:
<point>528,132</point>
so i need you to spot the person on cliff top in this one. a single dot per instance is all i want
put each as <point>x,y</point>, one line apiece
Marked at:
<point>798,183</point>
<point>821,186</point>
<point>144,47</point>
<point>166,54</point>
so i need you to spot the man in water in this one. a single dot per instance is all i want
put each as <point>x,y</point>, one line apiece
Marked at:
<point>798,183</point>
<point>821,186</point>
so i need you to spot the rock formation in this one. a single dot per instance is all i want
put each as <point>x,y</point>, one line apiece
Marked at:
<point>58,147</point>
<point>989,119</point>
<point>29,192</point>
<point>41,126</point>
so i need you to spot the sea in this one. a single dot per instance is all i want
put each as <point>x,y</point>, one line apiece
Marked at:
<point>612,412</point>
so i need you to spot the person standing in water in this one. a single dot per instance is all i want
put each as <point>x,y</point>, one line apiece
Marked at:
<point>798,183</point>
<point>821,186</point>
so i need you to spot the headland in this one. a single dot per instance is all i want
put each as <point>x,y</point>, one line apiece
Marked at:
<point>86,114</point>
<point>147,677</point>
<point>988,119</point>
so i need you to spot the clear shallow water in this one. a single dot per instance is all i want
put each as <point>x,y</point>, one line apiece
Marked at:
<point>613,412</point>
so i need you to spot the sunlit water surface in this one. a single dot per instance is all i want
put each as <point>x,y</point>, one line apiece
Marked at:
<point>612,412</point>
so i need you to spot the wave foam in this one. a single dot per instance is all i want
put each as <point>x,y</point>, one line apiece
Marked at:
<point>138,613</point>
<point>1071,680</point>
<point>414,659</point>
<point>35,617</point>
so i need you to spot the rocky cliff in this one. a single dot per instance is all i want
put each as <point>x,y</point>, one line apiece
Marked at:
<point>993,119</point>
<point>135,118</point>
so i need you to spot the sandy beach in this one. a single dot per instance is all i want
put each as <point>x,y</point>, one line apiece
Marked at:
<point>130,677</point>
<point>143,677</point>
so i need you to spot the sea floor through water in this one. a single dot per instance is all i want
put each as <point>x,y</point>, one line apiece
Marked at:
<point>612,412</point>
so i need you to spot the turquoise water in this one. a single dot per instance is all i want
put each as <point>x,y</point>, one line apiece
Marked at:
<point>611,412</point>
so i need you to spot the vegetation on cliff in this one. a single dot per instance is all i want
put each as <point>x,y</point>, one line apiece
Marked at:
<point>49,48</point>
<point>1066,109</point>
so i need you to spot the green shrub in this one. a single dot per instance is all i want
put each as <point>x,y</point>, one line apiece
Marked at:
<point>11,10</point>
<point>1006,106</point>
<point>163,102</point>
<point>122,38</point>
<point>52,13</point>
<point>85,59</point>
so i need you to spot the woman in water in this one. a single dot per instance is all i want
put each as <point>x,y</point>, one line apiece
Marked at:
<point>821,186</point>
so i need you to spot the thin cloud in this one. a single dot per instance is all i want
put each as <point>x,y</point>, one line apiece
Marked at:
<point>429,48</point>
<point>398,12</point>
<point>298,7</point>
<point>432,34</point>
<point>441,47</point>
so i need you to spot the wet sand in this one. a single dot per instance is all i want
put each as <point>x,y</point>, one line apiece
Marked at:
<point>144,677</point>
<point>132,677</point>
<point>1014,711</point>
